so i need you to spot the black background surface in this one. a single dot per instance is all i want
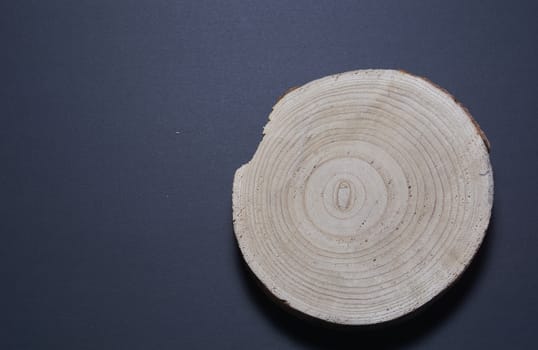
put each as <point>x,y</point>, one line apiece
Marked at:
<point>122,123</point>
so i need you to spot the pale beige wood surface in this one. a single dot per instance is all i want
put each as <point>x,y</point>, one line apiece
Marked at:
<point>369,195</point>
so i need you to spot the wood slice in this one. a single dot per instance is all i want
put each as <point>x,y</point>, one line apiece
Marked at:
<point>369,195</point>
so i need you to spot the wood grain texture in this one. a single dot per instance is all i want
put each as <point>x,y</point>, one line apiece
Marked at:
<point>369,195</point>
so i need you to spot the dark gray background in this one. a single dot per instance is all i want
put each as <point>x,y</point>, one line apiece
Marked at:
<point>122,123</point>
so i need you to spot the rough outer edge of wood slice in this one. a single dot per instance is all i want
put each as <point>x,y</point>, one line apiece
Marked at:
<point>333,307</point>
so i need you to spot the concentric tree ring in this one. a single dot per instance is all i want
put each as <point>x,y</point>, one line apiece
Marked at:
<point>369,195</point>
